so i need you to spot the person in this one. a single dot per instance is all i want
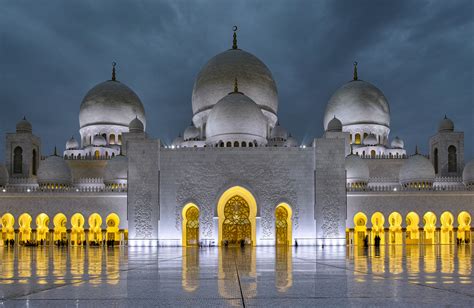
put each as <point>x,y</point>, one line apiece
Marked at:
<point>366,241</point>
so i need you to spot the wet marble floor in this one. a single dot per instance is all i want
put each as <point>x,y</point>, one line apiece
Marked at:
<point>263,276</point>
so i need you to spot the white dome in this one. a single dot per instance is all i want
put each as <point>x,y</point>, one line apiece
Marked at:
<point>177,141</point>
<point>191,133</point>
<point>334,125</point>
<point>110,103</point>
<point>236,117</point>
<point>54,170</point>
<point>468,173</point>
<point>357,170</point>
<point>358,102</point>
<point>416,169</point>
<point>446,125</point>
<point>371,139</point>
<point>255,80</point>
<point>116,170</point>
<point>24,126</point>
<point>291,142</point>
<point>99,141</point>
<point>3,175</point>
<point>72,144</point>
<point>278,132</point>
<point>397,143</point>
<point>136,126</point>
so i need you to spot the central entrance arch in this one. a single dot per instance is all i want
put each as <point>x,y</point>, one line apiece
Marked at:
<point>237,211</point>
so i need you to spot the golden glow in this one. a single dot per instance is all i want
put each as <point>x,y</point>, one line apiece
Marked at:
<point>237,200</point>
<point>60,230</point>
<point>360,228</point>
<point>396,234</point>
<point>378,221</point>
<point>357,138</point>
<point>464,226</point>
<point>447,232</point>
<point>190,225</point>
<point>95,228</point>
<point>77,230</point>
<point>283,227</point>
<point>113,222</point>
<point>429,227</point>
<point>412,233</point>
<point>8,229</point>
<point>283,268</point>
<point>25,227</point>
<point>42,228</point>
<point>190,269</point>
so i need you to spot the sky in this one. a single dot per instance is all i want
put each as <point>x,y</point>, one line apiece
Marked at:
<point>419,53</point>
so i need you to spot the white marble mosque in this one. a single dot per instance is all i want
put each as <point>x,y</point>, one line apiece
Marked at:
<point>236,174</point>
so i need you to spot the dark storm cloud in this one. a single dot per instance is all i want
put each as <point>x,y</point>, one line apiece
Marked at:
<point>419,53</point>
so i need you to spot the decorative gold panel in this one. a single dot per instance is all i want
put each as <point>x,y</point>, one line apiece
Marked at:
<point>236,226</point>
<point>192,226</point>
<point>281,224</point>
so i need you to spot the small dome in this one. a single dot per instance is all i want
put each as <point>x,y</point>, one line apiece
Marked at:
<point>468,173</point>
<point>446,125</point>
<point>291,142</point>
<point>397,143</point>
<point>136,126</point>
<point>3,175</point>
<point>99,141</point>
<point>177,141</point>
<point>191,133</point>
<point>357,170</point>
<point>236,117</point>
<point>54,170</point>
<point>24,126</point>
<point>334,125</point>
<point>279,133</point>
<point>116,170</point>
<point>72,144</point>
<point>417,169</point>
<point>371,139</point>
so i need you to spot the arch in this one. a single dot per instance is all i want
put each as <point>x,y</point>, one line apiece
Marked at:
<point>8,227</point>
<point>18,160</point>
<point>25,227</point>
<point>119,139</point>
<point>412,232</point>
<point>236,144</point>
<point>447,232</point>
<point>95,228</point>
<point>357,138</point>
<point>464,227</point>
<point>60,231</point>
<point>435,160</point>
<point>240,201</point>
<point>373,154</point>
<point>112,221</point>
<point>378,221</point>
<point>77,230</point>
<point>429,227</point>
<point>360,228</point>
<point>96,154</point>
<point>452,159</point>
<point>396,234</point>
<point>228,144</point>
<point>244,144</point>
<point>283,225</point>
<point>112,139</point>
<point>42,228</point>
<point>190,225</point>
<point>34,162</point>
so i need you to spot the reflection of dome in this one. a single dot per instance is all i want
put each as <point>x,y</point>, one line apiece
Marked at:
<point>279,133</point>
<point>72,144</point>
<point>446,125</point>
<point>397,143</point>
<point>24,126</point>
<point>255,80</point>
<point>334,125</point>
<point>177,141</point>
<point>3,175</point>
<point>417,169</point>
<point>136,126</point>
<point>116,170</point>
<point>54,170</point>
<point>110,103</point>
<point>468,173</point>
<point>371,139</point>
<point>99,141</point>
<point>236,118</point>
<point>357,170</point>
<point>191,133</point>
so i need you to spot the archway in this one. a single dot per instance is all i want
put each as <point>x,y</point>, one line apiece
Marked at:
<point>447,220</point>
<point>360,228</point>
<point>283,227</point>
<point>60,231</point>
<point>396,235</point>
<point>190,225</point>
<point>77,230</point>
<point>412,233</point>
<point>95,229</point>
<point>429,227</point>
<point>25,228</point>
<point>237,211</point>
<point>42,228</point>
<point>8,229</point>
<point>378,229</point>
<point>113,233</point>
<point>464,227</point>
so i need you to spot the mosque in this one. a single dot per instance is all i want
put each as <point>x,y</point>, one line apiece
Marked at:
<point>236,175</point>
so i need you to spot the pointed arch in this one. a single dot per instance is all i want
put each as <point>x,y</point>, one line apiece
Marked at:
<point>283,224</point>
<point>412,231</point>
<point>190,225</point>
<point>95,228</point>
<point>112,222</point>
<point>60,229</point>
<point>77,230</point>
<point>8,227</point>
<point>464,227</point>
<point>378,229</point>
<point>42,227</point>
<point>25,227</point>
<point>396,234</point>
<point>360,228</point>
<point>429,227</point>
<point>447,232</point>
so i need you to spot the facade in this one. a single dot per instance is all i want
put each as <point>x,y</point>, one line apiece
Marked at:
<point>236,175</point>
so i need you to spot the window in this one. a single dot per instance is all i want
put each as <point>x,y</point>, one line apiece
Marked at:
<point>452,159</point>
<point>435,160</point>
<point>34,162</point>
<point>18,160</point>
<point>228,144</point>
<point>236,144</point>
<point>357,139</point>
<point>372,154</point>
<point>112,139</point>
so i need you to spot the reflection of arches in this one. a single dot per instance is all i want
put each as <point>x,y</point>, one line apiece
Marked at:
<point>77,230</point>
<point>95,228</point>
<point>429,227</point>
<point>283,227</point>
<point>360,228</point>
<point>42,227</point>
<point>59,222</point>
<point>112,222</point>
<point>464,227</point>
<point>447,220</point>
<point>18,160</point>
<point>378,221</point>
<point>190,269</point>
<point>396,235</point>
<point>8,229</point>
<point>237,211</point>
<point>412,233</point>
<point>25,227</point>
<point>190,225</point>
<point>283,269</point>
<point>452,159</point>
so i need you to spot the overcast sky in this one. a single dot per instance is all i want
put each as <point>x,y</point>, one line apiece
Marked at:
<point>419,53</point>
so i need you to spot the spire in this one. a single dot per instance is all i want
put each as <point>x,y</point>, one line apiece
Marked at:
<point>234,42</point>
<point>416,149</point>
<point>445,116</point>
<point>113,70</point>
<point>236,86</point>
<point>55,151</point>
<point>24,118</point>
<point>355,70</point>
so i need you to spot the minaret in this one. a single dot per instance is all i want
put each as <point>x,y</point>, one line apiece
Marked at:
<point>234,42</point>
<point>355,71</point>
<point>113,71</point>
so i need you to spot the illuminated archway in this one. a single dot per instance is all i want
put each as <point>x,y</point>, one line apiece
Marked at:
<point>360,228</point>
<point>429,227</point>
<point>190,225</point>
<point>283,227</point>
<point>357,138</point>
<point>42,228</point>
<point>95,228</point>
<point>447,220</point>
<point>412,233</point>
<point>25,227</point>
<point>8,227</point>
<point>60,231</point>
<point>237,211</point>
<point>113,222</point>
<point>77,230</point>
<point>396,235</point>
<point>378,229</point>
<point>464,227</point>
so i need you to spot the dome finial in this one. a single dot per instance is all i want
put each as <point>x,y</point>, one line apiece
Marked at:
<point>55,151</point>
<point>113,70</point>
<point>355,70</point>
<point>234,42</point>
<point>236,86</point>
<point>416,149</point>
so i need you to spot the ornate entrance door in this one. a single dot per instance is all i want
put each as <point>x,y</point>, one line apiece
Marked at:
<point>281,225</point>
<point>192,226</point>
<point>236,226</point>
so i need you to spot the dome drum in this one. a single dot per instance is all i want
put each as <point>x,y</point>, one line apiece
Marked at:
<point>357,171</point>
<point>468,174</point>
<point>54,171</point>
<point>417,172</point>
<point>116,171</point>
